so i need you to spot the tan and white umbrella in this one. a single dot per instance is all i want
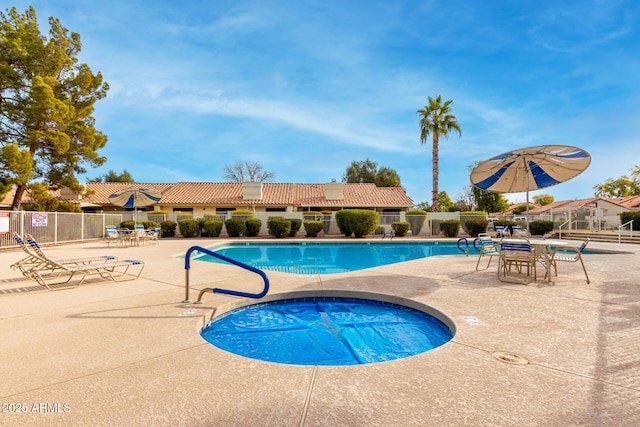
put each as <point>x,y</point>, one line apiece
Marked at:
<point>530,169</point>
<point>135,198</point>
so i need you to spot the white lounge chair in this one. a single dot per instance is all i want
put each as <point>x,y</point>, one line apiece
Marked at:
<point>38,259</point>
<point>54,274</point>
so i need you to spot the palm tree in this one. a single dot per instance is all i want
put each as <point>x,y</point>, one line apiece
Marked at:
<point>436,120</point>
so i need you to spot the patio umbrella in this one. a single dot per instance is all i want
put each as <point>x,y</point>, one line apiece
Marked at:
<point>135,198</point>
<point>529,169</point>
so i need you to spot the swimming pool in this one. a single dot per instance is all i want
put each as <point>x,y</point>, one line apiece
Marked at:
<point>326,330</point>
<point>328,257</point>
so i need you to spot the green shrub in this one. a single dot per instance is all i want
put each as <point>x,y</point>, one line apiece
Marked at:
<point>358,222</point>
<point>278,226</point>
<point>149,224</point>
<point>253,226</point>
<point>540,228</point>
<point>235,227</point>
<point>476,226</point>
<point>296,223</point>
<point>450,228</point>
<point>312,228</point>
<point>242,213</point>
<point>129,225</point>
<point>631,216</point>
<point>401,228</point>
<point>212,227</point>
<point>188,227</point>
<point>168,229</point>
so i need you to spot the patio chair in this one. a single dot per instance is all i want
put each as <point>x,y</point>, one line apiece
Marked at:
<point>111,235</point>
<point>518,231</point>
<point>140,235</point>
<point>152,235</point>
<point>488,248</point>
<point>502,231</point>
<point>571,255</point>
<point>515,256</point>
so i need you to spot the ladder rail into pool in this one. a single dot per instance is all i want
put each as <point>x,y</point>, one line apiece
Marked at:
<point>466,242</point>
<point>187,267</point>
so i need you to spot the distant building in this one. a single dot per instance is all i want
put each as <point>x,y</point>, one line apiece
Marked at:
<point>202,198</point>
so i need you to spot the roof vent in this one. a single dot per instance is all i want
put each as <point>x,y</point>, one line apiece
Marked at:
<point>334,190</point>
<point>252,190</point>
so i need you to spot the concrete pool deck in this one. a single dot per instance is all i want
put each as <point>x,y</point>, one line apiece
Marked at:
<point>129,353</point>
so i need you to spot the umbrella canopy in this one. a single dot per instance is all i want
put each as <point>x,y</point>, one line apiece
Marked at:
<point>135,197</point>
<point>530,168</point>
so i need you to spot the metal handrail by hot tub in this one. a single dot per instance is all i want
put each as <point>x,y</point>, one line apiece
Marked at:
<point>187,267</point>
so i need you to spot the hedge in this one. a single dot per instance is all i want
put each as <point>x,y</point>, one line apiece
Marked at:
<point>168,228</point>
<point>312,228</point>
<point>235,227</point>
<point>296,223</point>
<point>450,228</point>
<point>188,227</point>
<point>401,228</point>
<point>359,222</point>
<point>212,227</point>
<point>278,226</point>
<point>476,226</point>
<point>253,226</point>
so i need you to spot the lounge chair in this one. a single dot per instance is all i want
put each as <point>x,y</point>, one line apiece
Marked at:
<point>571,255</point>
<point>516,254</point>
<point>31,261</point>
<point>38,259</point>
<point>488,248</point>
<point>118,271</point>
<point>45,270</point>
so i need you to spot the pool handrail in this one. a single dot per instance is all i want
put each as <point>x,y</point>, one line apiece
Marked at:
<point>466,242</point>
<point>187,267</point>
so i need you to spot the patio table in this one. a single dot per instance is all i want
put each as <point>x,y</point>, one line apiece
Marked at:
<point>547,248</point>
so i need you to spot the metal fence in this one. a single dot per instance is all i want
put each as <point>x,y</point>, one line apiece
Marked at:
<point>55,227</point>
<point>62,227</point>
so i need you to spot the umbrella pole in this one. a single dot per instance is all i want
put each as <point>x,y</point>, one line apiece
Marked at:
<point>526,171</point>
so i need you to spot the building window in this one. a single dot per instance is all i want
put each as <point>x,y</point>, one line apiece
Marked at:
<point>276,209</point>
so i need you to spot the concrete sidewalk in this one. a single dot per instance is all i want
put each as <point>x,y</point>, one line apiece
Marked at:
<point>130,353</point>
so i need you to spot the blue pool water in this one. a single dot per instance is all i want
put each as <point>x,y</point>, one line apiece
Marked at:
<point>327,331</point>
<point>328,258</point>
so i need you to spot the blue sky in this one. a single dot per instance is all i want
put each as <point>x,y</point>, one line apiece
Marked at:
<point>307,87</point>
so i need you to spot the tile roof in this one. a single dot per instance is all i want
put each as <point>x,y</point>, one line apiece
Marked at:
<point>629,202</point>
<point>273,194</point>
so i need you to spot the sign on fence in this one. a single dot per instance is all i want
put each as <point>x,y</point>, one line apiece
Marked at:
<point>39,219</point>
<point>4,222</point>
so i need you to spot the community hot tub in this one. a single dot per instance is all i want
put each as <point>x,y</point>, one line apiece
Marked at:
<point>330,330</point>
